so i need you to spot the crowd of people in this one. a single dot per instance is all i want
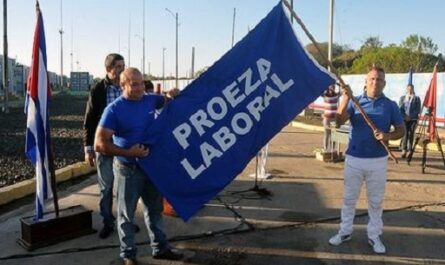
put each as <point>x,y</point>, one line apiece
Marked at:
<point>123,103</point>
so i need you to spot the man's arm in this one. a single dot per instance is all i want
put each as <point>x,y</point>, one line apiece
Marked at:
<point>399,132</point>
<point>103,143</point>
<point>342,110</point>
<point>170,95</point>
<point>89,125</point>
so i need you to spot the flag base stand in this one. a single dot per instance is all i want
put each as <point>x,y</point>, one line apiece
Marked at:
<point>422,135</point>
<point>261,192</point>
<point>72,222</point>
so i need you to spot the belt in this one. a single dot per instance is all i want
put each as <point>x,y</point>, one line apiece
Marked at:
<point>127,164</point>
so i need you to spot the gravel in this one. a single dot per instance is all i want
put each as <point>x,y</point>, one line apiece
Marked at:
<point>66,122</point>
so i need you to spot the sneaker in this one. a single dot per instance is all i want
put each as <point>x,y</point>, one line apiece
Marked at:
<point>106,231</point>
<point>169,254</point>
<point>129,261</point>
<point>404,154</point>
<point>377,245</point>
<point>338,239</point>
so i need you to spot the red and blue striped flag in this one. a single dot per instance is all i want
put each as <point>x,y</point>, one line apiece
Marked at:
<point>37,126</point>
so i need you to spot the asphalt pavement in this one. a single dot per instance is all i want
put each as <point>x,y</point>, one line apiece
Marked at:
<point>291,225</point>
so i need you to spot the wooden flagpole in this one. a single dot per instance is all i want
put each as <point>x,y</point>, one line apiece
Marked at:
<point>342,83</point>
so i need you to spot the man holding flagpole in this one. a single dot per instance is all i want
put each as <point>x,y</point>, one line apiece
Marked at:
<point>120,133</point>
<point>366,158</point>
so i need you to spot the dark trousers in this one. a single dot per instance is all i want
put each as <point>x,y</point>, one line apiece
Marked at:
<point>408,138</point>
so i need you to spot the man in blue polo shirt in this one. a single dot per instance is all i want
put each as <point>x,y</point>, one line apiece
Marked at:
<point>366,158</point>
<point>120,133</point>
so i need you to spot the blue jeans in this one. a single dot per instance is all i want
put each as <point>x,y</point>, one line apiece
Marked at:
<point>105,179</point>
<point>132,184</point>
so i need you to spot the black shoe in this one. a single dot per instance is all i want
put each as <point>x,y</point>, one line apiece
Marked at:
<point>106,231</point>
<point>169,254</point>
<point>136,228</point>
<point>128,261</point>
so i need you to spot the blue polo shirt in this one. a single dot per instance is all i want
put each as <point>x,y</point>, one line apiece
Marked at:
<point>384,113</point>
<point>130,120</point>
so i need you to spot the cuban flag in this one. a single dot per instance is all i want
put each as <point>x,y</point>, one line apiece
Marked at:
<point>205,137</point>
<point>37,125</point>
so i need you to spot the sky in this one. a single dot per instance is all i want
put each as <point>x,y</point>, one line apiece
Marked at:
<point>94,28</point>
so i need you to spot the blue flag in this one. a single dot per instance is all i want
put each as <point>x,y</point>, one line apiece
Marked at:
<point>410,76</point>
<point>203,139</point>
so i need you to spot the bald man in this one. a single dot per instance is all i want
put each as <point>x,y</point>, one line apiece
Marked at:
<point>120,132</point>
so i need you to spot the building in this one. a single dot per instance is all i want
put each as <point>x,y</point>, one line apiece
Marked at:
<point>11,66</point>
<point>80,81</point>
<point>19,79</point>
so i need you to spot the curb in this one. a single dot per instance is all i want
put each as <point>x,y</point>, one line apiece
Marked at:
<point>430,146</point>
<point>28,187</point>
<point>308,127</point>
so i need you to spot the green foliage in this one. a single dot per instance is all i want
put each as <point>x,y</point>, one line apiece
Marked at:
<point>392,59</point>
<point>415,51</point>
<point>420,48</point>
<point>371,43</point>
<point>336,51</point>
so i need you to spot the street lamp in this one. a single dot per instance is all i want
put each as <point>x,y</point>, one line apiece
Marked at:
<point>61,46</point>
<point>143,38</point>
<point>143,56</point>
<point>163,68</point>
<point>175,16</point>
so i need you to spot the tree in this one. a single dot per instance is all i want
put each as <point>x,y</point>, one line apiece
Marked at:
<point>420,47</point>
<point>371,42</point>
<point>392,59</point>
<point>336,51</point>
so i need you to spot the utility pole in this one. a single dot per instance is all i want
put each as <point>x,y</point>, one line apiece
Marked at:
<point>5,57</point>
<point>148,70</point>
<point>129,37</point>
<point>233,26</point>
<point>177,25</point>
<point>163,68</point>
<point>71,53</point>
<point>143,38</point>
<point>331,35</point>
<point>193,63</point>
<point>61,46</point>
<point>119,42</point>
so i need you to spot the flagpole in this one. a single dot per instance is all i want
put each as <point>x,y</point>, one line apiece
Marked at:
<point>51,165</point>
<point>5,57</point>
<point>334,71</point>
<point>53,178</point>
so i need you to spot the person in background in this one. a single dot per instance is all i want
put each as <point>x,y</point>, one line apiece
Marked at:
<point>149,87</point>
<point>330,98</point>
<point>101,95</point>
<point>409,105</point>
<point>366,158</point>
<point>120,133</point>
